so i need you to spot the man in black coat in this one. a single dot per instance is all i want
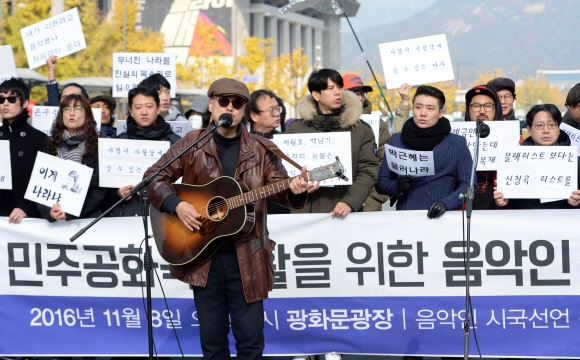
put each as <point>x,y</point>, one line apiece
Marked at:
<point>25,142</point>
<point>144,123</point>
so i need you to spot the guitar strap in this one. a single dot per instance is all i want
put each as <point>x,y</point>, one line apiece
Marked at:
<point>273,148</point>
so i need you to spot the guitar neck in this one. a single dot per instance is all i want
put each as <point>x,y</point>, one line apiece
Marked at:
<point>263,192</point>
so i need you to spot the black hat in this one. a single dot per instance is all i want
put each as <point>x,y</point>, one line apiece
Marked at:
<point>95,96</point>
<point>479,90</point>
<point>503,83</point>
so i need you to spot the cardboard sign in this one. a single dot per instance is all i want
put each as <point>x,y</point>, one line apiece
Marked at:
<point>56,180</point>
<point>124,161</point>
<point>317,149</point>
<point>537,172</point>
<point>5,166</point>
<point>129,69</point>
<point>7,66</point>
<point>416,61</point>
<point>409,162</point>
<point>44,116</point>
<point>502,133</point>
<point>60,35</point>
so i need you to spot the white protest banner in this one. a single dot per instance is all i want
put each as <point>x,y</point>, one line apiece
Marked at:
<point>535,172</point>
<point>60,35</point>
<point>501,133</point>
<point>573,133</point>
<point>56,180</point>
<point>7,66</point>
<point>180,127</point>
<point>123,161</point>
<point>5,167</point>
<point>317,149</point>
<point>374,120</point>
<point>416,61</point>
<point>409,162</point>
<point>44,116</point>
<point>130,68</point>
<point>121,126</point>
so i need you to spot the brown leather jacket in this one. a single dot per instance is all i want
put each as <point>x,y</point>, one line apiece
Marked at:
<point>256,167</point>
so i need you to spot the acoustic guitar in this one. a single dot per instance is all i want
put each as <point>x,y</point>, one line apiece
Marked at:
<point>226,209</point>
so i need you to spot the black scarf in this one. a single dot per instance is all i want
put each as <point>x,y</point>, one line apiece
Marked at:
<point>425,139</point>
<point>154,132</point>
<point>18,122</point>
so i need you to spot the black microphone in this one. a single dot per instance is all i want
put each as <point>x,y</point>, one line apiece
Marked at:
<point>483,128</point>
<point>226,120</point>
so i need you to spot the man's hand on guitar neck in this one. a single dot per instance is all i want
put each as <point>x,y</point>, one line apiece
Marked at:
<point>299,185</point>
<point>188,216</point>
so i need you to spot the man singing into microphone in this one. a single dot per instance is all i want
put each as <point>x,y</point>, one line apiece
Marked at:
<point>428,130</point>
<point>240,274</point>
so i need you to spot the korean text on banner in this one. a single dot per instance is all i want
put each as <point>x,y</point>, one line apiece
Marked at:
<point>317,149</point>
<point>416,61</point>
<point>56,180</point>
<point>180,127</point>
<point>5,167</point>
<point>409,162</point>
<point>44,116</point>
<point>537,172</point>
<point>7,66</point>
<point>129,69</point>
<point>374,120</point>
<point>501,133</point>
<point>574,134</point>
<point>124,161</point>
<point>60,35</point>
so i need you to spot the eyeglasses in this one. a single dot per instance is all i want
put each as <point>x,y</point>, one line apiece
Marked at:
<point>507,97</point>
<point>551,126</point>
<point>69,109</point>
<point>477,107</point>
<point>273,111</point>
<point>11,99</point>
<point>224,102</point>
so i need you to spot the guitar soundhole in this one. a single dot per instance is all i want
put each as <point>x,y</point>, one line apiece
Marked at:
<point>217,209</point>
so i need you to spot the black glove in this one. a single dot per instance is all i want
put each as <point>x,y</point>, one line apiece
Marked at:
<point>404,182</point>
<point>436,209</point>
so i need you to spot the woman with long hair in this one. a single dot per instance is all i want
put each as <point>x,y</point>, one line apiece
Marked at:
<point>74,137</point>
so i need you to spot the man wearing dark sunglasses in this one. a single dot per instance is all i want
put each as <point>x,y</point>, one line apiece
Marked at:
<point>238,277</point>
<point>25,142</point>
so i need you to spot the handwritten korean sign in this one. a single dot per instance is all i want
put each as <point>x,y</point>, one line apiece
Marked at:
<point>180,127</point>
<point>130,68</point>
<point>409,162</point>
<point>318,149</point>
<point>374,120</point>
<point>60,35</point>
<point>416,61</point>
<point>44,116</point>
<point>573,133</point>
<point>534,172</point>
<point>501,133</point>
<point>123,161</point>
<point>56,180</point>
<point>5,167</point>
<point>7,66</point>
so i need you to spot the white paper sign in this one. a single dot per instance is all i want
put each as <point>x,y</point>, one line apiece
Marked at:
<point>130,68</point>
<point>409,162</point>
<point>121,126</point>
<point>416,61</point>
<point>317,149</point>
<point>502,133</point>
<point>180,127</point>
<point>44,116</point>
<point>574,134</point>
<point>124,161</point>
<point>60,35</point>
<point>534,172</point>
<point>5,167</point>
<point>374,121</point>
<point>7,66</point>
<point>56,180</point>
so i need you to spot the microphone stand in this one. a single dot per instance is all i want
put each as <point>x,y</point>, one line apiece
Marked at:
<point>147,261</point>
<point>468,200</point>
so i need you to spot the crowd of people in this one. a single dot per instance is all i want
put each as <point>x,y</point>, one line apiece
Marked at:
<point>238,276</point>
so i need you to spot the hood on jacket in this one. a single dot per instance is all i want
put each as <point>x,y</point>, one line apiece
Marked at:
<point>349,117</point>
<point>563,140</point>
<point>174,114</point>
<point>498,111</point>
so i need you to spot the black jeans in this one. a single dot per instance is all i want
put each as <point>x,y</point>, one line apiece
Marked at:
<point>222,297</point>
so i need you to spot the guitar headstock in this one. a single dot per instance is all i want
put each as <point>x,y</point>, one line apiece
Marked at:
<point>336,169</point>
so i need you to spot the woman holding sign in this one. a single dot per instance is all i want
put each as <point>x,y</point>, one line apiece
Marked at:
<point>75,137</point>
